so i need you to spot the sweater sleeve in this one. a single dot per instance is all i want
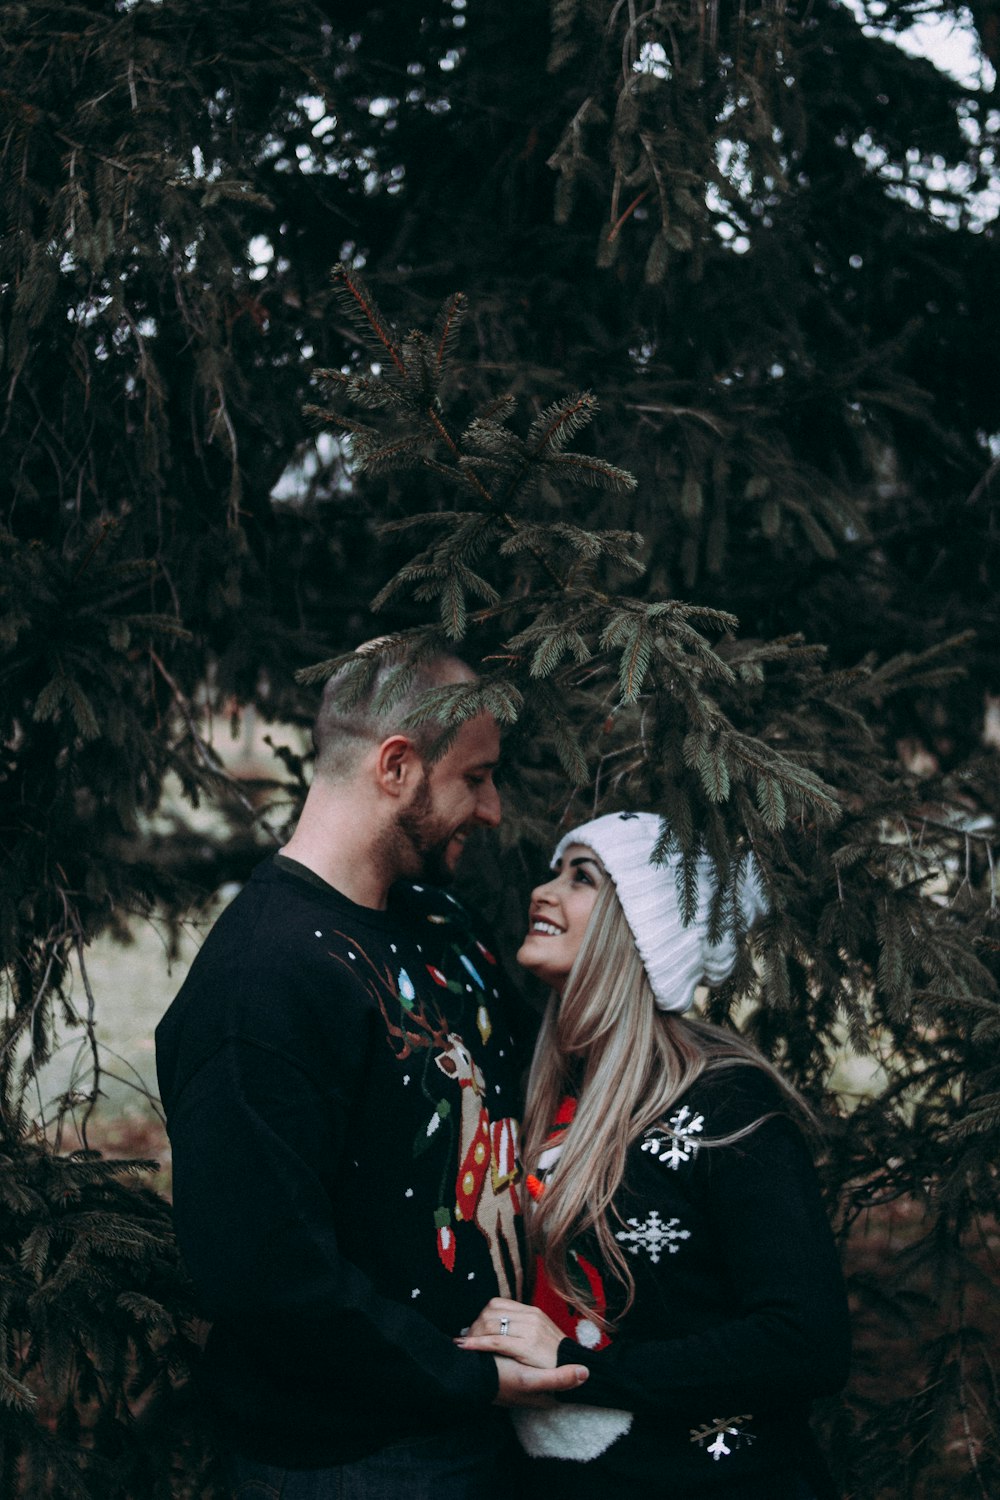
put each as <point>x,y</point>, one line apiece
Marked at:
<point>782,1330</point>
<point>256,1138</point>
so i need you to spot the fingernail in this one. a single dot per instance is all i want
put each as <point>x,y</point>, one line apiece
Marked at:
<point>582,1374</point>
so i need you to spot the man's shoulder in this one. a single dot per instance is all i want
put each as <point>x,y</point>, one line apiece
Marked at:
<point>260,919</point>
<point>275,972</point>
<point>279,916</point>
<point>277,937</point>
<point>268,885</point>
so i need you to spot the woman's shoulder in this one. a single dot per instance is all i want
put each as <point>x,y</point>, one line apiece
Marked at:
<point>733,1114</point>
<point>731,1095</point>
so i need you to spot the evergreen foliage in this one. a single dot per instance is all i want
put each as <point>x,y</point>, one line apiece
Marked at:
<point>764,603</point>
<point>97,1335</point>
<point>136,555</point>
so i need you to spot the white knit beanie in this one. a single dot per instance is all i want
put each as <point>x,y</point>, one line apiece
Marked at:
<point>677,958</point>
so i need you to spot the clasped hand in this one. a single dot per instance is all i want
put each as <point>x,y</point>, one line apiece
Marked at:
<point>525,1343</point>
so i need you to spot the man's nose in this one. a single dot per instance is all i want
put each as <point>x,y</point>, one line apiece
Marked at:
<point>488,809</point>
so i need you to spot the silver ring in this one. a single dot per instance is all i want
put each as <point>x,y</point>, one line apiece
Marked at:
<point>505,1325</point>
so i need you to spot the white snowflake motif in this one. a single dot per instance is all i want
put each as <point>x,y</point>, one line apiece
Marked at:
<point>719,1430</point>
<point>680,1143</point>
<point>653,1236</point>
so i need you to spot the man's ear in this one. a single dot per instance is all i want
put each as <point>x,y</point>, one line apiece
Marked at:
<point>397,765</point>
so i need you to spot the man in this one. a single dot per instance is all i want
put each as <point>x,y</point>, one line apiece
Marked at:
<point>339,1081</point>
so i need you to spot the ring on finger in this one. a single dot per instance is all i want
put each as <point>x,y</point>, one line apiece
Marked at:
<point>505,1326</point>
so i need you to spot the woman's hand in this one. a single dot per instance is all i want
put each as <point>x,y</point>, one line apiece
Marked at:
<point>516,1331</point>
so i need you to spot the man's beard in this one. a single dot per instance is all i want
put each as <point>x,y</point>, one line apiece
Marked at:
<point>426,838</point>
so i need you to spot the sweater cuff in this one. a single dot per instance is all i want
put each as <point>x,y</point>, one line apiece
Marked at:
<point>570,1353</point>
<point>490,1378</point>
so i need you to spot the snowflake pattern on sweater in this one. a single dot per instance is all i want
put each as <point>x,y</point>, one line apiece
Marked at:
<point>679,1143</point>
<point>653,1236</point>
<point>727,1434</point>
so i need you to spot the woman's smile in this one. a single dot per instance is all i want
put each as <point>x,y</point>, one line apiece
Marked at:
<point>558,916</point>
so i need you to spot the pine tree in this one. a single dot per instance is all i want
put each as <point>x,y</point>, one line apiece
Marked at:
<point>96,1334</point>
<point>765,605</point>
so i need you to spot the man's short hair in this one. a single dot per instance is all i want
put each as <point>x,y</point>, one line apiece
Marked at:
<point>348,724</point>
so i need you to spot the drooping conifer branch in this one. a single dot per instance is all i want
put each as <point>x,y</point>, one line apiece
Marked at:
<point>724,739</point>
<point>576,621</point>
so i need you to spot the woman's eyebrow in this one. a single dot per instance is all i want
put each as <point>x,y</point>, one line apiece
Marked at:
<point>586,859</point>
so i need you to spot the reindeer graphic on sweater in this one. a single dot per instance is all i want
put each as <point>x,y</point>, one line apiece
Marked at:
<point>484,1186</point>
<point>485,1192</point>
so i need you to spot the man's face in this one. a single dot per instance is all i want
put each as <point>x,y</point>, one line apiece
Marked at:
<point>455,796</point>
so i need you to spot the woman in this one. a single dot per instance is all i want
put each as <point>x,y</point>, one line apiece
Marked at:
<point>682,1251</point>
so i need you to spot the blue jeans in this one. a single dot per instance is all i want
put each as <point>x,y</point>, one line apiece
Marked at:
<point>466,1465</point>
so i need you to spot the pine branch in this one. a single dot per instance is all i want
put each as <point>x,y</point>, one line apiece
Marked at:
<point>405,452</point>
<point>445,334</point>
<point>445,519</point>
<point>354,296</point>
<point>363,389</point>
<point>495,413</point>
<point>553,429</point>
<point>327,418</point>
<point>594,471</point>
<point>554,647</point>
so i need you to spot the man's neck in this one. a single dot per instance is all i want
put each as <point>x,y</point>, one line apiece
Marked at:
<point>338,843</point>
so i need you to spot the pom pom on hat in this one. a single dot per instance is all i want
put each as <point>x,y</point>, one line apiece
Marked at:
<point>677,958</point>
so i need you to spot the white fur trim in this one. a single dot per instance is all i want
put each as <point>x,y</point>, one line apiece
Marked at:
<point>587,1333</point>
<point>577,1432</point>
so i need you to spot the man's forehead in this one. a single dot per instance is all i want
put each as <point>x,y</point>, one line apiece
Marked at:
<point>478,741</point>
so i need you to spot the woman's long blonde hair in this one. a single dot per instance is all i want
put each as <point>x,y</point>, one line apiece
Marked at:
<point>626,1062</point>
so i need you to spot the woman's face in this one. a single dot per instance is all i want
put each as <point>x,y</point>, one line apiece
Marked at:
<point>558,915</point>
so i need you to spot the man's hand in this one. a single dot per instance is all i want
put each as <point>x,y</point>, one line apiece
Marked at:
<point>523,1385</point>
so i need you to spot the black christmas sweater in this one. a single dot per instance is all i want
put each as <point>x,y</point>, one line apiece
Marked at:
<point>340,1093</point>
<point>739,1317</point>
